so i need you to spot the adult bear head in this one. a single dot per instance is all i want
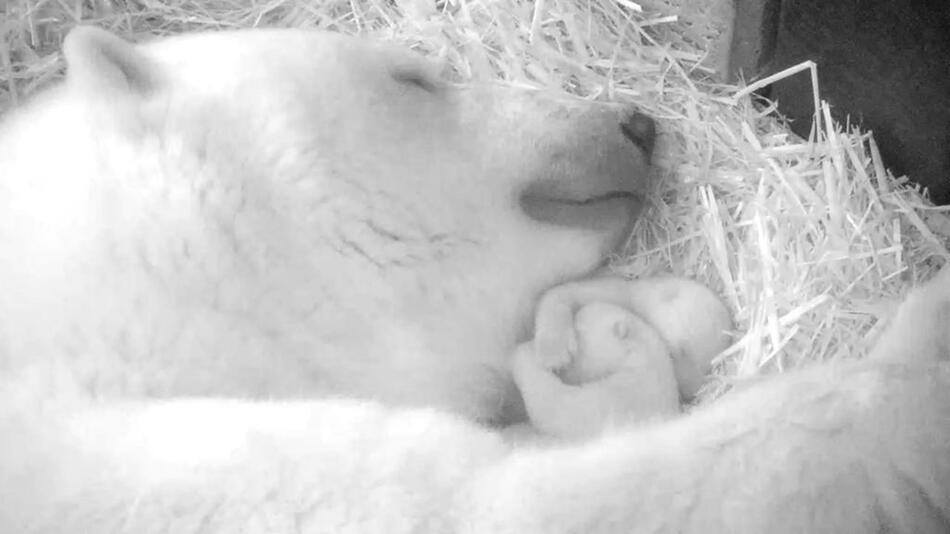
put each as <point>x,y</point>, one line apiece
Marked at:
<point>275,213</point>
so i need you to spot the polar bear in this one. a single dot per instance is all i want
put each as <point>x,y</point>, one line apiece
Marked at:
<point>691,319</point>
<point>620,371</point>
<point>279,214</point>
<point>610,351</point>
<point>267,281</point>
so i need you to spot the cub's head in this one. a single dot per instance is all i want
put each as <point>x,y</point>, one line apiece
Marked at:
<point>277,212</point>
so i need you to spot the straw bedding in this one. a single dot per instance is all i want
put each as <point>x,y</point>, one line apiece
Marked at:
<point>811,242</point>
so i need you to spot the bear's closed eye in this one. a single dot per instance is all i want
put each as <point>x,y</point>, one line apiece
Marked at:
<point>418,78</point>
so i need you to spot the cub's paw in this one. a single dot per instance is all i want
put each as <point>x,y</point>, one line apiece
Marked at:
<point>555,350</point>
<point>527,368</point>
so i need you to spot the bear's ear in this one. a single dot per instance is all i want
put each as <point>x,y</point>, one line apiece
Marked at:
<point>98,60</point>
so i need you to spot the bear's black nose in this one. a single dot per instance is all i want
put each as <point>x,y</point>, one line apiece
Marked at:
<point>639,129</point>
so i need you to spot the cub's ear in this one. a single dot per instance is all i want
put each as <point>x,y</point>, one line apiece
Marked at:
<point>98,60</point>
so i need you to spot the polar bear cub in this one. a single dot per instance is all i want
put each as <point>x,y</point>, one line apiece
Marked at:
<point>622,367</point>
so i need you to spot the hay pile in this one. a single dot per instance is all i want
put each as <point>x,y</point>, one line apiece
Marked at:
<point>811,242</point>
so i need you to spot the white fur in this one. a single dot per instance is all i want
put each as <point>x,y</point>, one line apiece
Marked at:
<point>270,215</point>
<point>273,214</point>
<point>621,372</point>
<point>690,318</point>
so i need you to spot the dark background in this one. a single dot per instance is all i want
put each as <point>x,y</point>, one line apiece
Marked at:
<point>884,63</point>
